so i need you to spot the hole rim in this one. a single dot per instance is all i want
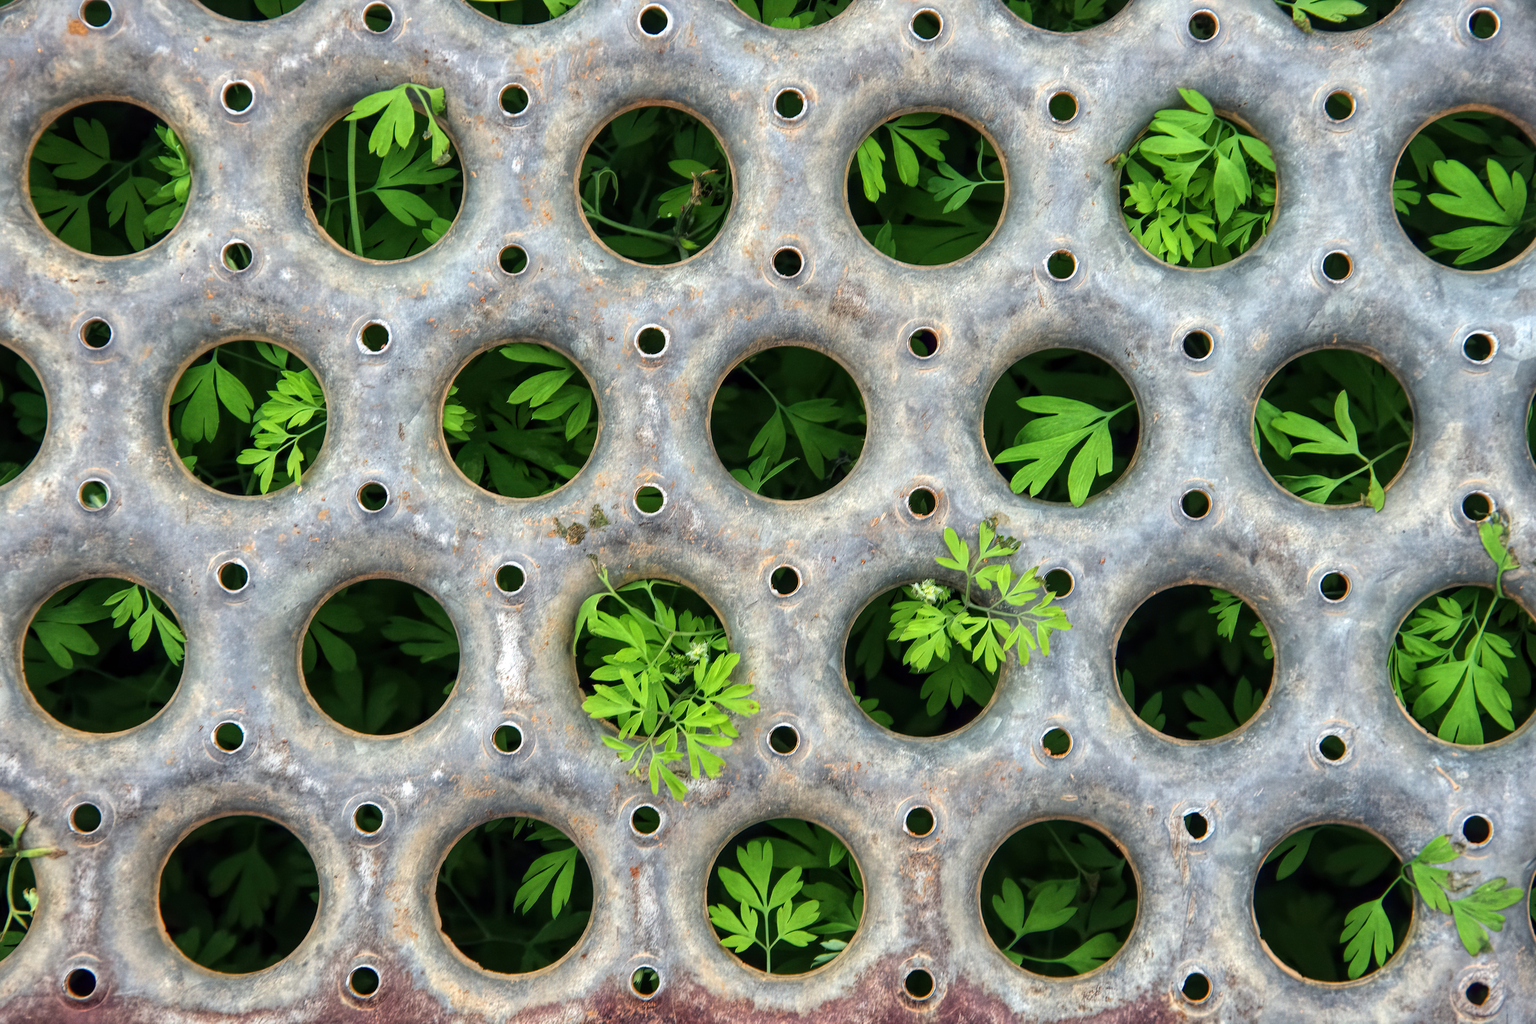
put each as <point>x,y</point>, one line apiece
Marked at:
<point>1206,827</point>
<point>501,100</point>
<point>1057,255</point>
<point>773,262</point>
<point>1194,334</point>
<point>234,111</point>
<point>634,986</point>
<point>373,8</point>
<point>1349,267</point>
<point>1339,737</point>
<point>81,975</point>
<point>1071,586</point>
<point>232,563</point>
<point>235,245</point>
<point>653,9</point>
<point>1489,12</point>
<point>351,981</point>
<point>362,502</point>
<point>1487,829</point>
<point>362,344</point>
<point>1329,96</point>
<point>90,322</point>
<point>358,829</point>
<point>1493,347</point>
<point>1205,979</point>
<point>906,984</point>
<point>1461,506</point>
<point>1201,494</point>
<point>912,495</point>
<point>1322,581</point>
<point>523,743</point>
<point>792,591</point>
<point>501,259</point>
<point>1203,14</point>
<point>782,727</point>
<point>106,501</point>
<point>666,341</point>
<point>921,39</point>
<point>798,116</point>
<point>112,15</point>
<point>72,819</point>
<point>1071,119</point>
<point>516,566</point>
<point>639,833</point>
<point>634,501</point>
<point>213,736</point>
<point>934,338</point>
<point>916,808</point>
<point>1044,748</point>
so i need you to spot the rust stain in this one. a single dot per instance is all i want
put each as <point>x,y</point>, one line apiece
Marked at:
<point>77,27</point>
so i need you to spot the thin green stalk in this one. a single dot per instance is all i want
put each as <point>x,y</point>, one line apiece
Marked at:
<point>357,228</point>
<point>642,232</point>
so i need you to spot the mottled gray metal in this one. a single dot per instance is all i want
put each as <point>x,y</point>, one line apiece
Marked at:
<point>175,300</point>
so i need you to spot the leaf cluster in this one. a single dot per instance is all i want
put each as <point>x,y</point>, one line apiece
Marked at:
<point>18,875</point>
<point>793,13</point>
<point>289,426</point>
<point>523,12</point>
<point>1066,15</point>
<point>23,415</point>
<point>251,10</point>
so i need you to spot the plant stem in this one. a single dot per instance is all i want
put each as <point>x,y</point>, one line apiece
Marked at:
<point>357,229</point>
<point>642,232</point>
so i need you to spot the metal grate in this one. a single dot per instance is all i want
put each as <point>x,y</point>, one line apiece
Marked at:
<point>173,301</point>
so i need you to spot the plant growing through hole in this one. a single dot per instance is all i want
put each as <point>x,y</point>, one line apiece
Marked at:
<point>1198,190</point>
<point>17,855</point>
<point>523,12</point>
<point>22,391</point>
<point>1336,15</point>
<point>793,13</point>
<point>1066,15</point>
<point>675,696</point>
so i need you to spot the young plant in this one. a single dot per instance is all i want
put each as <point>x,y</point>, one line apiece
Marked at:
<point>251,10</point>
<point>1462,670</point>
<point>1066,15</point>
<point>15,881</point>
<point>523,12</point>
<point>1336,15</point>
<point>22,424</point>
<point>289,425</point>
<point>1199,191</point>
<point>675,698</point>
<point>793,13</point>
<point>757,914</point>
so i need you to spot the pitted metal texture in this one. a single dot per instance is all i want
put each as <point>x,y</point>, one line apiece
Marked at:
<point>172,302</point>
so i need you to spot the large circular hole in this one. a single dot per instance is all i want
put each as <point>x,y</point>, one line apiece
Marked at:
<point>247,417</point>
<point>228,737</point>
<point>651,341</point>
<point>1203,26</point>
<point>642,212</point>
<point>94,495</point>
<point>1341,17</point>
<point>650,500</point>
<point>645,982</point>
<point>374,337</point>
<point>1456,194</point>
<point>1194,663</point>
<point>1060,582</point>
<point>109,178</point>
<point>645,820</point>
<point>84,819</point>
<point>1477,506</point>
<point>1332,747</point>
<point>520,420</point>
<point>80,983</point>
<point>251,10</point>
<point>788,423</point>
<point>373,496</point>
<point>923,343</point>
<point>1307,886</point>
<point>97,14</point>
<point>793,13</point>
<point>23,879</point>
<point>1477,993</point>
<point>522,12</point>
<point>1334,427</point>
<point>378,18</point>
<point>654,20</point>
<point>514,895</point>
<point>921,502</point>
<point>784,739</point>
<point>1065,17</point>
<point>1429,658</point>
<point>1170,197</point>
<point>103,655</point>
<point>237,256</point>
<point>901,684</point>
<point>926,188</point>
<point>380,657</point>
<point>233,577</point>
<point>239,894</point>
<point>513,259</point>
<point>1058,898</point>
<point>791,864</point>
<point>1026,423</point>
<point>385,192</point>
<point>23,415</point>
<point>1056,742</point>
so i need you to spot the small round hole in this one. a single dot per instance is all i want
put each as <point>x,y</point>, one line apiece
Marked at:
<point>919,984</point>
<point>645,820</point>
<point>1059,582</point>
<point>378,17</point>
<point>94,495</point>
<point>1196,504</point>
<point>368,818</point>
<point>85,818</point>
<point>1061,264</point>
<point>927,24</point>
<point>650,500</point>
<point>513,259</point>
<point>784,581</point>
<point>651,340</point>
<point>1332,747</point>
<point>1196,825</point>
<point>233,577</point>
<point>363,981</point>
<point>1203,26</point>
<point>1063,107</point>
<point>654,20</point>
<point>1339,106</point>
<point>784,739</point>
<point>644,982</point>
<point>96,13</point>
<point>237,97</point>
<point>1477,829</point>
<point>228,737</point>
<point>372,496</point>
<point>510,578</point>
<point>787,262</point>
<point>1337,266</point>
<point>81,982</point>
<point>1334,586</point>
<point>507,738</point>
<point>921,502</point>
<point>1477,993</point>
<point>919,822</point>
<point>374,337</point>
<point>1477,506</point>
<point>1196,987</point>
<point>1479,347</point>
<point>514,99</point>
<point>924,343</point>
<point>789,104</point>
<point>1483,24</point>
<point>96,333</point>
<point>237,256</point>
<point>1198,345</point>
<point>1056,742</point>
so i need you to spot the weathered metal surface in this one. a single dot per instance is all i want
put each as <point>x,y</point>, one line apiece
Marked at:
<point>173,301</point>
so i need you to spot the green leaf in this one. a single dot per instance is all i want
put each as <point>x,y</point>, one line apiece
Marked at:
<point>1367,934</point>
<point>1054,905</point>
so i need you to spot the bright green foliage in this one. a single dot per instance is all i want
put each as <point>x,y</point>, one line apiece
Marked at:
<point>148,613</point>
<point>293,411</point>
<point>23,415</point>
<point>509,930</point>
<point>1066,15</point>
<point>251,10</point>
<point>793,396</point>
<point>380,657</point>
<point>239,894</point>
<point>793,13</point>
<point>414,196</point>
<point>522,420</point>
<point>1199,191</point>
<point>795,889</point>
<point>651,216</point>
<point>1057,900</point>
<point>1366,443</point>
<point>101,204</point>
<point>675,695</point>
<point>1336,15</point>
<point>1460,669</point>
<point>1475,169</point>
<point>19,871</point>
<point>523,12</point>
<point>1043,444</point>
<point>934,211</point>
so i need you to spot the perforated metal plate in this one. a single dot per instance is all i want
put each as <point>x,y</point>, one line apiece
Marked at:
<point>172,302</point>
